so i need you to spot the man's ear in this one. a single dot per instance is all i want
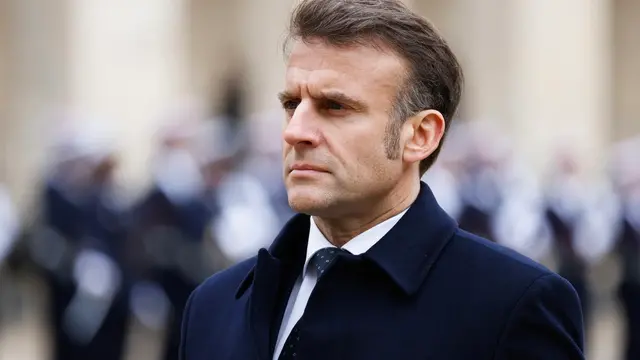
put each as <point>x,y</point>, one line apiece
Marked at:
<point>422,134</point>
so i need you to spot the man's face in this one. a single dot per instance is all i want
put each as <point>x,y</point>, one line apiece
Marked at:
<point>338,104</point>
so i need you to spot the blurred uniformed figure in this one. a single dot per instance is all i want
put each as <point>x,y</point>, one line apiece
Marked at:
<point>265,160</point>
<point>627,179</point>
<point>79,245</point>
<point>519,221</point>
<point>171,225</point>
<point>479,181</point>
<point>564,212</point>
<point>247,219</point>
<point>578,214</point>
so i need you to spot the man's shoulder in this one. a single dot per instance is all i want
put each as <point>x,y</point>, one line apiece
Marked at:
<point>500,283</point>
<point>522,297</point>
<point>488,259</point>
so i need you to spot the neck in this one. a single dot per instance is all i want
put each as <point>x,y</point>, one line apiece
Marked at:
<point>341,230</point>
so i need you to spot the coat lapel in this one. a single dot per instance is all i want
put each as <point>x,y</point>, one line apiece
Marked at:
<point>263,300</point>
<point>271,281</point>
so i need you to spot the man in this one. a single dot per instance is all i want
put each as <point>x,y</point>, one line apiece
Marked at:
<point>379,271</point>
<point>78,246</point>
<point>173,218</point>
<point>481,182</point>
<point>578,214</point>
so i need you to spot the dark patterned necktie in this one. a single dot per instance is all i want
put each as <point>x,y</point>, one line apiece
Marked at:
<point>319,263</point>
<point>322,259</point>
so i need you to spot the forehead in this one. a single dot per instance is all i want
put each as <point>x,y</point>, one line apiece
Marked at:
<point>316,65</point>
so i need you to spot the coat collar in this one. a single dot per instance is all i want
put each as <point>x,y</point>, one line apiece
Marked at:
<point>406,253</point>
<point>411,248</point>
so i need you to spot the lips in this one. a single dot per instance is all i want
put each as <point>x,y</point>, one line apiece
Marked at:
<point>306,167</point>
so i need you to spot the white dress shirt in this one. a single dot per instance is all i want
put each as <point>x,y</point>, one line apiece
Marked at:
<point>307,280</point>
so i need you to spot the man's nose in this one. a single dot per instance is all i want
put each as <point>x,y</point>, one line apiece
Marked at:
<point>302,130</point>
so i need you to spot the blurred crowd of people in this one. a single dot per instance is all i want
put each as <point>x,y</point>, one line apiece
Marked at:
<point>107,258</point>
<point>216,197</point>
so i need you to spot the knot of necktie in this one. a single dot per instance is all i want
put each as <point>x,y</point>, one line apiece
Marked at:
<point>323,258</point>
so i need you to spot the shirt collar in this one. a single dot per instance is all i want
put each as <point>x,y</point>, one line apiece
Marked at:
<point>356,246</point>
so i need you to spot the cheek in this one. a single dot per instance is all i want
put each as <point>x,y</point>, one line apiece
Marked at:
<point>360,149</point>
<point>372,161</point>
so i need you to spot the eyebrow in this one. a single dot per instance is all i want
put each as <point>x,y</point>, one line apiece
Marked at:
<point>333,95</point>
<point>341,97</point>
<point>284,96</point>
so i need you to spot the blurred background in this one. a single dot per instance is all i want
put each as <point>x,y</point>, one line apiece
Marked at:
<point>140,147</point>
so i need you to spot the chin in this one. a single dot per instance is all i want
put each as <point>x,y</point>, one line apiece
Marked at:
<point>307,200</point>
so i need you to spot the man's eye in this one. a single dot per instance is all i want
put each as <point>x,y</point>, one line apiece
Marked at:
<point>290,104</point>
<point>332,105</point>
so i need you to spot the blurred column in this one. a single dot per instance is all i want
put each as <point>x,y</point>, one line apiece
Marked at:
<point>559,79</point>
<point>626,65</point>
<point>128,65</point>
<point>261,25</point>
<point>4,88</point>
<point>478,33</point>
<point>34,85</point>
